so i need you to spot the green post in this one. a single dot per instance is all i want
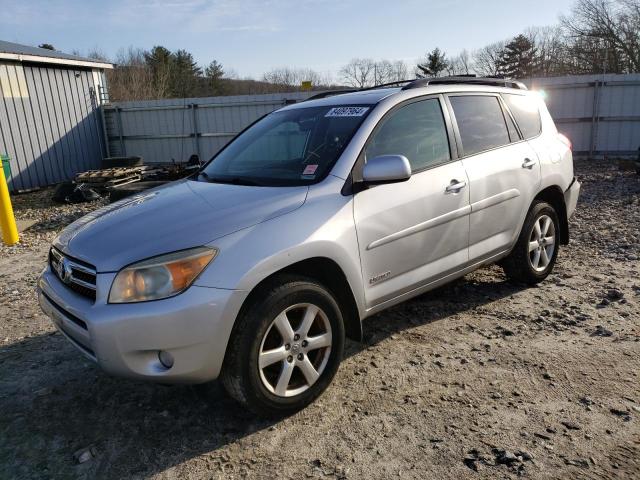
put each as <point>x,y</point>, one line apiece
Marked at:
<point>6,166</point>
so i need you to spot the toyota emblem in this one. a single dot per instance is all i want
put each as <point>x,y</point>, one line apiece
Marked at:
<point>64,270</point>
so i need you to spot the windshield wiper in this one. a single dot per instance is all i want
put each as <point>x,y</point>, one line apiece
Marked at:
<point>233,180</point>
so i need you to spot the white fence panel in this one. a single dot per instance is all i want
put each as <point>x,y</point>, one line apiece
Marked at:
<point>173,130</point>
<point>599,113</point>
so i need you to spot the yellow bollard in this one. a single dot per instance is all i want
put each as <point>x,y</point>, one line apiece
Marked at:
<point>7,220</point>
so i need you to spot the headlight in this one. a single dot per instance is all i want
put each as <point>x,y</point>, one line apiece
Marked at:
<point>160,277</point>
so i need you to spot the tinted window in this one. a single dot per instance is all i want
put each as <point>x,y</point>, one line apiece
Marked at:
<point>416,131</point>
<point>525,111</point>
<point>481,123</point>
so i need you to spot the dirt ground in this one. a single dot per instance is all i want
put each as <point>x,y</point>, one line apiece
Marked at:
<point>479,379</point>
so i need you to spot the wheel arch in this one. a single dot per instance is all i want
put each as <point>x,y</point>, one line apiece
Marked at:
<point>554,196</point>
<point>327,272</point>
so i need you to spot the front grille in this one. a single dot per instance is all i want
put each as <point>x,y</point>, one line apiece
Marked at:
<point>78,276</point>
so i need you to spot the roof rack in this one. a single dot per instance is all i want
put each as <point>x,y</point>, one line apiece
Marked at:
<point>470,79</point>
<point>330,93</point>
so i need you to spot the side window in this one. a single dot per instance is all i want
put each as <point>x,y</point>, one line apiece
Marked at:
<point>525,111</point>
<point>416,131</point>
<point>480,121</point>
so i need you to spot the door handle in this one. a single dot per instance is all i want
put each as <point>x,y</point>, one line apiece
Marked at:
<point>528,163</point>
<point>455,186</point>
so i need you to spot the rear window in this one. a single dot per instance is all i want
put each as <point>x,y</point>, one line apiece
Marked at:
<point>480,121</point>
<point>525,111</point>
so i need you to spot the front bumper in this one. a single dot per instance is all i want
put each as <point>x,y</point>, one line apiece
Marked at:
<point>125,339</point>
<point>571,197</point>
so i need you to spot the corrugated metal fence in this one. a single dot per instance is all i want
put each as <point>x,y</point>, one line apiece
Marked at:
<point>173,130</point>
<point>599,113</point>
<point>49,122</point>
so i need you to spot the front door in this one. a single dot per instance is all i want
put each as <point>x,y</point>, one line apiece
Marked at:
<point>412,232</point>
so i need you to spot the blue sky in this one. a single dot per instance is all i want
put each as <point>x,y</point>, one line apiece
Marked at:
<point>251,36</point>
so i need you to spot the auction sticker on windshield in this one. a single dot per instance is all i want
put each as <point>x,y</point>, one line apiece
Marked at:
<point>347,112</point>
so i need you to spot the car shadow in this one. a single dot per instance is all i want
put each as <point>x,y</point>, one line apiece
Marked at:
<point>54,403</point>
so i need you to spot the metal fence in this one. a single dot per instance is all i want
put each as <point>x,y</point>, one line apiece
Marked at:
<point>173,130</point>
<point>599,113</point>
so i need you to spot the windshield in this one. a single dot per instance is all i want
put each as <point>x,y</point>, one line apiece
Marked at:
<point>290,147</point>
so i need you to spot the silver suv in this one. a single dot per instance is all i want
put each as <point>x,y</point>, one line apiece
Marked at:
<point>315,217</point>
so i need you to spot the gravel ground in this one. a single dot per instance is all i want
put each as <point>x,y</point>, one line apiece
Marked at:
<point>479,379</point>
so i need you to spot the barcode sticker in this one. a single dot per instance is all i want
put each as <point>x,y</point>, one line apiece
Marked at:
<point>347,112</point>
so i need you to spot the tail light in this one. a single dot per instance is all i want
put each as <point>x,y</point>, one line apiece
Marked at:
<point>566,141</point>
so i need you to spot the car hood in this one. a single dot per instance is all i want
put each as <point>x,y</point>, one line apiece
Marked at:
<point>177,216</point>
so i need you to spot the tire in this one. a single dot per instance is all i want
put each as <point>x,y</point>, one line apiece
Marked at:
<point>258,330</point>
<point>533,266</point>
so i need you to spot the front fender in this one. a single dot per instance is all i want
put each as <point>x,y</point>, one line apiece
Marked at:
<point>323,227</point>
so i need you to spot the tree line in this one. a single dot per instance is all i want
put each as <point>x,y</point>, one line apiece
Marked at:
<point>598,36</point>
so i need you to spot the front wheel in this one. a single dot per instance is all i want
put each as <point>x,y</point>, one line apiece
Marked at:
<point>286,347</point>
<point>535,252</point>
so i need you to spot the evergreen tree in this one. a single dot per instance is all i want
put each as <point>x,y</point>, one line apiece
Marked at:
<point>519,59</point>
<point>436,63</point>
<point>159,60</point>
<point>214,73</point>
<point>185,73</point>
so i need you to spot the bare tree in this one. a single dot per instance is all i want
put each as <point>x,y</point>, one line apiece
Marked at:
<point>290,79</point>
<point>552,51</point>
<point>460,64</point>
<point>131,79</point>
<point>609,27</point>
<point>97,53</point>
<point>400,71</point>
<point>485,60</point>
<point>359,72</point>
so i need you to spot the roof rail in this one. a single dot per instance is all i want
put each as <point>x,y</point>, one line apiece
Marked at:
<point>466,79</point>
<point>330,93</point>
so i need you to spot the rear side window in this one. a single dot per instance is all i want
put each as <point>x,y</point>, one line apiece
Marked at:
<point>417,131</point>
<point>480,121</point>
<point>525,111</point>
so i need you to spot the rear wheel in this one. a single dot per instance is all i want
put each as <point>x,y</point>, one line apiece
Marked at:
<point>286,347</point>
<point>534,255</point>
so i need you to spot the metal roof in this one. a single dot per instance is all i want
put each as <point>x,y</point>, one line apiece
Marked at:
<point>25,53</point>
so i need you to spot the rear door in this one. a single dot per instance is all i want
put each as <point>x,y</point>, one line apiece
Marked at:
<point>412,232</point>
<point>503,171</point>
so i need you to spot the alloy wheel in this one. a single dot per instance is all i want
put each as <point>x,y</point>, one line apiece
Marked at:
<point>542,243</point>
<point>295,350</point>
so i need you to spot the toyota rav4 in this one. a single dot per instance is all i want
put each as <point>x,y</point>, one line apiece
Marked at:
<point>315,217</point>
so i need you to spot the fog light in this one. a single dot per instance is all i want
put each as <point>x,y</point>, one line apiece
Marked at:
<point>166,359</point>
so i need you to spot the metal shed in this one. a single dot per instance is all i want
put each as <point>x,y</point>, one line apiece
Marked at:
<point>49,114</point>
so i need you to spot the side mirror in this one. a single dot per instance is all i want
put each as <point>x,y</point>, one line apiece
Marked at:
<point>386,169</point>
